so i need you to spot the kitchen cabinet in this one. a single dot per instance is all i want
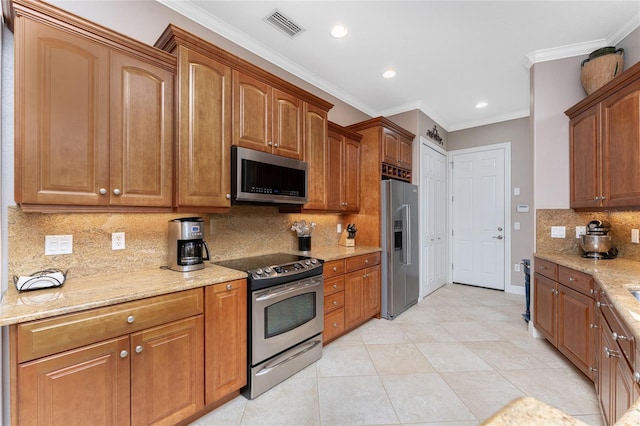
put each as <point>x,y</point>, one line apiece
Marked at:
<point>564,312</point>
<point>616,382</point>
<point>265,118</point>
<point>315,154</point>
<point>94,116</point>
<point>225,339</point>
<point>111,365</point>
<point>604,137</point>
<point>396,149</point>
<point>203,126</point>
<point>343,170</point>
<point>352,293</point>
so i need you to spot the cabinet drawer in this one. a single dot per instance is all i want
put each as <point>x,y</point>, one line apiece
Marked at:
<point>333,268</point>
<point>333,302</point>
<point>333,325</point>
<point>624,338</point>
<point>576,280</point>
<point>52,335</point>
<point>363,261</point>
<point>333,285</point>
<point>546,268</point>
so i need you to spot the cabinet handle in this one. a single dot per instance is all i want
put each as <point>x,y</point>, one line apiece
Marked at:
<point>335,269</point>
<point>116,191</point>
<point>610,353</point>
<point>571,279</point>
<point>636,377</point>
<point>275,145</point>
<point>131,319</point>
<point>601,305</point>
<point>544,268</point>
<point>138,349</point>
<point>103,191</point>
<point>595,370</point>
<point>229,287</point>
<point>335,325</point>
<point>335,286</point>
<point>335,303</point>
<point>593,325</point>
<point>228,196</point>
<point>124,354</point>
<point>617,336</point>
<point>366,261</point>
<point>270,143</point>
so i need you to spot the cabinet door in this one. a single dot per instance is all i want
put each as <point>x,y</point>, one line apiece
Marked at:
<point>405,153</point>
<point>351,175</point>
<point>544,306</point>
<point>621,147</point>
<point>353,309</point>
<point>86,386</point>
<point>225,339</point>
<point>141,133</point>
<point>575,316</point>
<point>315,154</point>
<point>61,117</point>
<point>585,158</point>
<point>252,113</point>
<point>606,372</point>
<point>167,377</point>
<point>390,147</point>
<point>287,125</point>
<point>335,162</point>
<point>623,391</point>
<point>204,131</point>
<point>371,292</point>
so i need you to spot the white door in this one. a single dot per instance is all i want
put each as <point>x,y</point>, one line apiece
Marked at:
<point>478,218</point>
<point>433,186</point>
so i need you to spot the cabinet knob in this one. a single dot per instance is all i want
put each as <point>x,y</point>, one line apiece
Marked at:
<point>610,353</point>
<point>335,303</point>
<point>335,286</point>
<point>228,196</point>
<point>138,349</point>
<point>335,269</point>
<point>116,191</point>
<point>601,305</point>
<point>103,191</point>
<point>229,287</point>
<point>335,325</point>
<point>131,319</point>
<point>571,279</point>
<point>366,261</point>
<point>593,325</point>
<point>595,370</point>
<point>270,143</point>
<point>636,377</point>
<point>124,354</point>
<point>617,336</point>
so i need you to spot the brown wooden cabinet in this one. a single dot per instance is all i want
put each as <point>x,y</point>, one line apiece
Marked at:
<point>315,154</point>
<point>343,170</point>
<point>203,125</point>
<point>91,377</point>
<point>563,311</point>
<point>604,135</point>
<point>225,339</point>
<point>93,124</point>
<point>265,118</point>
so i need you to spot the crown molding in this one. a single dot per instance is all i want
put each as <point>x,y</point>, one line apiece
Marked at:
<point>490,120</point>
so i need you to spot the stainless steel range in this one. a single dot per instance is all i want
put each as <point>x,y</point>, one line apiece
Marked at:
<point>285,322</point>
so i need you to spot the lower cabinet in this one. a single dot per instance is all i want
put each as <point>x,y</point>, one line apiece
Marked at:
<point>352,293</point>
<point>150,361</point>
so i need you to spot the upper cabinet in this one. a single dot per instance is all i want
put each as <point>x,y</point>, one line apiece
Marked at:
<point>203,126</point>
<point>94,116</point>
<point>343,170</point>
<point>604,137</point>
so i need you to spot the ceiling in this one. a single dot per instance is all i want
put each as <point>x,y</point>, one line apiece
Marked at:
<point>449,55</point>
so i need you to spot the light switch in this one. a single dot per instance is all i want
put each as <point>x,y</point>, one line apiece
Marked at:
<point>635,236</point>
<point>58,244</point>
<point>558,232</point>
<point>516,225</point>
<point>516,191</point>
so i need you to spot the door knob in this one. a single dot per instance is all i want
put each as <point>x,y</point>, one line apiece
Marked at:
<point>499,237</point>
<point>500,228</point>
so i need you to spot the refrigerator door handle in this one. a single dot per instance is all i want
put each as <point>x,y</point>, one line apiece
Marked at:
<point>406,238</point>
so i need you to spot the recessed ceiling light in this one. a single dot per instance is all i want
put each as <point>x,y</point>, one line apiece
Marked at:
<point>339,31</point>
<point>481,105</point>
<point>389,74</point>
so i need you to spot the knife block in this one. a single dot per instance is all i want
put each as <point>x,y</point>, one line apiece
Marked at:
<point>345,240</point>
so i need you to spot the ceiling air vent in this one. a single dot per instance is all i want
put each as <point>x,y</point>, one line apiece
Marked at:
<point>278,20</point>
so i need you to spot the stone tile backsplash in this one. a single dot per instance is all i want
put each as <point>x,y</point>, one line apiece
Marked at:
<point>621,224</point>
<point>244,231</point>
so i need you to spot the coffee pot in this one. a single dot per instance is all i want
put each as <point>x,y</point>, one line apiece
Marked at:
<point>187,249</point>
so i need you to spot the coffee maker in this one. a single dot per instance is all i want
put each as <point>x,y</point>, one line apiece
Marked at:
<point>187,248</point>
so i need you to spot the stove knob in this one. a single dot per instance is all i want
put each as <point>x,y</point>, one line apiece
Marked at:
<point>314,260</point>
<point>259,271</point>
<point>307,262</point>
<point>255,276</point>
<point>268,270</point>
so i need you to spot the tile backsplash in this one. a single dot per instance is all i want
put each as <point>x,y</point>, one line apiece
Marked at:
<point>244,231</point>
<point>621,224</point>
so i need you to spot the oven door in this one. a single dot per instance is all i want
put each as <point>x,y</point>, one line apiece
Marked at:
<point>285,315</point>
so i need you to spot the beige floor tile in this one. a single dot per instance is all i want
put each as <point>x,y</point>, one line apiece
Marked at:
<point>505,355</point>
<point>413,315</point>
<point>509,329</point>
<point>427,333</point>
<point>484,313</point>
<point>403,358</point>
<point>354,401</point>
<point>424,397</point>
<point>230,414</point>
<point>347,360</point>
<point>470,331</point>
<point>542,350</point>
<point>446,313</point>
<point>452,357</point>
<point>483,392</point>
<point>382,332</point>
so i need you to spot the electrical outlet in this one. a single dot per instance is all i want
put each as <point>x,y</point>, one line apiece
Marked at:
<point>339,228</point>
<point>516,267</point>
<point>58,244</point>
<point>117,241</point>
<point>580,231</point>
<point>635,236</point>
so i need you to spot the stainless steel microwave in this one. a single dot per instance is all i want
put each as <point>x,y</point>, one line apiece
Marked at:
<point>260,177</point>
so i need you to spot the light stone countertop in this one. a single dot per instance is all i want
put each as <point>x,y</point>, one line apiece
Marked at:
<point>616,277</point>
<point>78,294</point>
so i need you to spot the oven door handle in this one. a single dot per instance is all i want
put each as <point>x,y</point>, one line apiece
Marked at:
<point>292,289</point>
<point>275,364</point>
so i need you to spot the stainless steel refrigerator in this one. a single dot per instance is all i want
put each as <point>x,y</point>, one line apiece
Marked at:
<point>400,264</point>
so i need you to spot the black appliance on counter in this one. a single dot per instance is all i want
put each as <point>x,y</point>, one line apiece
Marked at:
<point>285,316</point>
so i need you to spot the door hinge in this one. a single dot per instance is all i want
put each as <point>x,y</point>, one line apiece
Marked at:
<point>452,198</point>
<point>452,232</point>
<point>451,164</point>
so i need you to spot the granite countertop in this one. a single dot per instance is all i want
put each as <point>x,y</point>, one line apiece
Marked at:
<point>78,294</point>
<point>616,277</point>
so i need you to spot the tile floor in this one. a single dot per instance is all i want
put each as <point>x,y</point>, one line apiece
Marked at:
<point>454,359</point>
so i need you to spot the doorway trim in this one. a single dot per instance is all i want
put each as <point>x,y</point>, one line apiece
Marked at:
<point>508,287</point>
